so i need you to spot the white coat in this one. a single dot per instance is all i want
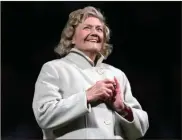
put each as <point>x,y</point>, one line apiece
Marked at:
<point>60,105</point>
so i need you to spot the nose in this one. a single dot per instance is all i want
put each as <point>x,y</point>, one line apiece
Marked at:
<point>93,31</point>
<point>94,35</point>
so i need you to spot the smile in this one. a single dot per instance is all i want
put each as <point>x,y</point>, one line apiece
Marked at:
<point>94,41</point>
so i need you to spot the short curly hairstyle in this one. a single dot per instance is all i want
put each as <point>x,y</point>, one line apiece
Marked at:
<point>76,17</point>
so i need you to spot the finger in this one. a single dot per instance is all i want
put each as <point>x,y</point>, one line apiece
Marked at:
<point>108,81</point>
<point>113,99</point>
<point>105,96</point>
<point>117,83</point>
<point>110,86</point>
<point>109,91</point>
<point>98,82</point>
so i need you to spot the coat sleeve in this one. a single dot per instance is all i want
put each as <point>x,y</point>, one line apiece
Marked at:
<point>50,109</point>
<point>138,127</point>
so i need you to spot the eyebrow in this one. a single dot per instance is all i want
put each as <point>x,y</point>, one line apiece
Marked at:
<point>93,25</point>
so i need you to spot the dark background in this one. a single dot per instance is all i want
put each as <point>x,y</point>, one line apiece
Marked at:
<point>146,38</point>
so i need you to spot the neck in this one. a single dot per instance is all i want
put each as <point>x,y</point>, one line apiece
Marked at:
<point>91,55</point>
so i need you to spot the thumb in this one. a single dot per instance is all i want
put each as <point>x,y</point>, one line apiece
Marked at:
<point>116,81</point>
<point>117,84</point>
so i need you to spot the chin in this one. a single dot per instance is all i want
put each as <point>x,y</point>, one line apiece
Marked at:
<point>93,48</point>
<point>96,50</point>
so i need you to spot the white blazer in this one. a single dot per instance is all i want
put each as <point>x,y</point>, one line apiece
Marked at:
<point>60,105</point>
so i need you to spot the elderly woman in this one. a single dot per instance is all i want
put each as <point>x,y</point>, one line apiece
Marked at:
<point>78,96</point>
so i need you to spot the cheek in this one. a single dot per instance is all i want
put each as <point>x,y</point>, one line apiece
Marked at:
<point>102,37</point>
<point>83,34</point>
<point>80,35</point>
<point>79,38</point>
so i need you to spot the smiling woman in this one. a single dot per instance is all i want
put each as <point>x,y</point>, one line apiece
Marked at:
<point>80,18</point>
<point>80,97</point>
<point>89,37</point>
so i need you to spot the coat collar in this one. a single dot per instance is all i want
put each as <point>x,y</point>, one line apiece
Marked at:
<point>82,60</point>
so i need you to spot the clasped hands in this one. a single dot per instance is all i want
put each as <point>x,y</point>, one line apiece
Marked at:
<point>108,91</point>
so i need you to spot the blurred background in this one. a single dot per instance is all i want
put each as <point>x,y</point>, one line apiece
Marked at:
<point>146,37</point>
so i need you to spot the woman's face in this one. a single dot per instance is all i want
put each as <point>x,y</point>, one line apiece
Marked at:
<point>89,35</point>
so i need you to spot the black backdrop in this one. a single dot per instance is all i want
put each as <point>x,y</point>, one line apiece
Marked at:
<point>146,38</point>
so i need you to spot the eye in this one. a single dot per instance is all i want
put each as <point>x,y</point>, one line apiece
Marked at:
<point>100,29</point>
<point>86,27</point>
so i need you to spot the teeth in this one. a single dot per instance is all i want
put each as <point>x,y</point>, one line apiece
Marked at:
<point>93,40</point>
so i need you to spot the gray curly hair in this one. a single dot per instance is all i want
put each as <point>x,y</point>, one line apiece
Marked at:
<point>76,17</point>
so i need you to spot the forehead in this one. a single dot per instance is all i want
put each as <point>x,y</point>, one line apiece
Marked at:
<point>92,21</point>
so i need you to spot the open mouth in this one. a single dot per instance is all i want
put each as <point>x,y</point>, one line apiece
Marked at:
<point>93,40</point>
